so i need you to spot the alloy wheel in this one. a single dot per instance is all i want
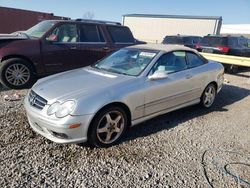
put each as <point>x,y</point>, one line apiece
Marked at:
<point>209,96</point>
<point>110,127</point>
<point>17,74</point>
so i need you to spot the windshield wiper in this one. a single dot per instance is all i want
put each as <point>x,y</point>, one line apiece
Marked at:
<point>114,71</point>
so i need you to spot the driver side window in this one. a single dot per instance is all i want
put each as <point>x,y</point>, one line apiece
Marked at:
<point>65,33</point>
<point>171,62</point>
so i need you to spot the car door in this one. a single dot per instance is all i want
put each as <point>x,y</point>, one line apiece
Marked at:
<point>170,92</point>
<point>198,70</point>
<point>60,50</point>
<point>92,43</point>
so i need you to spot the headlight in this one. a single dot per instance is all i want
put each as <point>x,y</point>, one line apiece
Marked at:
<point>61,110</point>
<point>53,108</point>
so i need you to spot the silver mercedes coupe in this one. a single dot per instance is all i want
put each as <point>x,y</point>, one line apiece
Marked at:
<point>96,104</point>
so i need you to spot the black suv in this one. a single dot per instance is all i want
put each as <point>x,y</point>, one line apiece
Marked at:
<point>228,45</point>
<point>189,41</point>
<point>54,46</point>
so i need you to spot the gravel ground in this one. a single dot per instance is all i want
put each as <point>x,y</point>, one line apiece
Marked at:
<point>192,147</point>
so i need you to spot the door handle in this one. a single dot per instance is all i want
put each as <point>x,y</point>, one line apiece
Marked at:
<point>73,47</point>
<point>106,48</point>
<point>188,76</point>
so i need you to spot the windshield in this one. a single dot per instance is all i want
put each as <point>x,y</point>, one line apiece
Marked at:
<point>40,29</point>
<point>127,61</point>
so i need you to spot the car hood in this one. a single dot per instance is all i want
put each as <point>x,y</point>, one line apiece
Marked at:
<point>71,84</point>
<point>11,37</point>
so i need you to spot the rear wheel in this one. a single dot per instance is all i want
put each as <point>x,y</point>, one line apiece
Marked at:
<point>16,73</point>
<point>232,69</point>
<point>108,127</point>
<point>208,96</point>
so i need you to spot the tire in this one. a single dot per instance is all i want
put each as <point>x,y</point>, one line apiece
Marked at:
<point>232,69</point>
<point>208,96</point>
<point>104,131</point>
<point>16,73</point>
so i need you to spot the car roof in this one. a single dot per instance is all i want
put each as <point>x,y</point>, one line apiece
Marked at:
<point>182,36</point>
<point>162,47</point>
<point>97,22</point>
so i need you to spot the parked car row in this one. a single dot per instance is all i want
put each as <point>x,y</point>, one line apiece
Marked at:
<point>227,45</point>
<point>97,103</point>
<point>58,45</point>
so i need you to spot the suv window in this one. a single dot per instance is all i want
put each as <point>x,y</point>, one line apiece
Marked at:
<point>171,62</point>
<point>173,40</point>
<point>232,41</point>
<point>120,34</point>
<point>243,42</point>
<point>213,41</point>
<point>90,33</point>
<point>194,60</point>
<point>66,33</point>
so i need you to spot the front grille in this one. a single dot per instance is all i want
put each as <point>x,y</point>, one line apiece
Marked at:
<point>36,101</point>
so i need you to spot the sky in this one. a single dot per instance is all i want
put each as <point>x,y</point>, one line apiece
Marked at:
<point>232,11</point>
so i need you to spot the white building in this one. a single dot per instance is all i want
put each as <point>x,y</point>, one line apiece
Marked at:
<point>236,29</point>
<point>153,28</point>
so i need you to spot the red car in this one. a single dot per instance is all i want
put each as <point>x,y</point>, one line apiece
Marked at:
<point>54,46</point>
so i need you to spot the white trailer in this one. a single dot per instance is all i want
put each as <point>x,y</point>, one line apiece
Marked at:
<point>153,28</point>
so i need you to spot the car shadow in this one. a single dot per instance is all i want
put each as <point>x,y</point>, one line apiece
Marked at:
<point>3,88</point>
<point>228,95</point>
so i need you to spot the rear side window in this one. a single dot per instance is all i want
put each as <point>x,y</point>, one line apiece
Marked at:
<point>243,42</point>
<point>173,40</point>
<point>232,41</point>
<point>120,34</point>
<point>188,40</point>
<point>196,40</point>
<point>90,33</point>
<point>213,41</point>
<point>194,60</point>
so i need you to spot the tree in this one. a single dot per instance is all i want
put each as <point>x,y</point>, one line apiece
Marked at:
<point>88,15</point>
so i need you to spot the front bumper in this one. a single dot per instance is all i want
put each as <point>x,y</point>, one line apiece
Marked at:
<point>57,129</point>
<point>220,81</point>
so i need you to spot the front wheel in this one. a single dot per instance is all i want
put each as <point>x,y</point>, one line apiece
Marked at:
<point>16,73</point>
<point>208,96</point>
<point>108,127</point>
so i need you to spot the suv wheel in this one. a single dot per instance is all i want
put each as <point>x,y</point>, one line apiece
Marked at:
<point>208,96</point>
<point>16,73</point>
<point>233,69</point>
<point>108,127</point>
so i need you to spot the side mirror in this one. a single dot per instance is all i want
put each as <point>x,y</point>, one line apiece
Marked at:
<point>52,38</point>
<point>158,75</point>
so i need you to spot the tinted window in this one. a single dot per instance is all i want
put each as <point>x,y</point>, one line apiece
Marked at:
<point>194,60</point>
<point>188,40</point>
<point>196,40</point>
<point>66,33</point>
<point>171,62</point>
<point>232,41</point>
<point>243,42</point>
<point>90,33</point>
<point>173,40</point>
<point>121,34</point>
<point>213,41</point>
